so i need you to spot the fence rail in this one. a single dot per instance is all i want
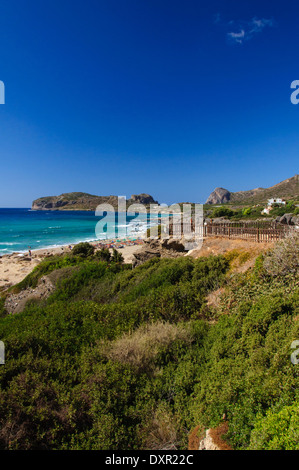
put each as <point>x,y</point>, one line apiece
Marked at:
<point>256,233</point>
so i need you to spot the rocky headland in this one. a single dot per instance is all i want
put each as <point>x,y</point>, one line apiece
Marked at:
<point>85,201</point>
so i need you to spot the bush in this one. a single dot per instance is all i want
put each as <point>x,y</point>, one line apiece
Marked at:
<point>117,257</point>
<point>277,211</point>
<point>222,212</point>
<point>246,211</point>
<point>119,359</point>
<point>103,255</point>
<point>284,258</point>
<point>83,249</point>
<point>161,432</point>
<point>142,346</point>
<point>277,430</point>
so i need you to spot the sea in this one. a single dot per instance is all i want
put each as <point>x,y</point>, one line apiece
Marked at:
<point>23,229</point>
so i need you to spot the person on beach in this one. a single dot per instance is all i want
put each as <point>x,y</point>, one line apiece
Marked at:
<point>29,251</point>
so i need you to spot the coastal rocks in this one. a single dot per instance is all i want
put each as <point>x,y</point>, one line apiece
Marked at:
<point>288,219</point>
<point>15,303</point>
<point>144,255</point>
<point>171,244</point>
<point>169,248</point>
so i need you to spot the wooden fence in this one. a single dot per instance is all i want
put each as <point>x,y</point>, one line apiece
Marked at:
<point>256,233</point>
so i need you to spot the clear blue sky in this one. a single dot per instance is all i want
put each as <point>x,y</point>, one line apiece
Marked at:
<point>168,97</point>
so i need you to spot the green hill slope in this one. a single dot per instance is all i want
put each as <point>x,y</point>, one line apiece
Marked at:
<point>117,358</point>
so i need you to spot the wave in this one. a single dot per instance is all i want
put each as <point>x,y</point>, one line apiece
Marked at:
<point>10,243</point>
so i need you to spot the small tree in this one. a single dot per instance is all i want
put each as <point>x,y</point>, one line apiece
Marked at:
<point>83,249</point>
<point>117,257</point>
<point>246,211</point>
<point>104,255</point>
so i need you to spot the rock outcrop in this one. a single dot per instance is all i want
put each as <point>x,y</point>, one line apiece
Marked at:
<point>219,196</point>
<point>288,219</point>
<point>15,303</point>
<point>143,199</point>
<point>213,439</point>
<point>169,248</point>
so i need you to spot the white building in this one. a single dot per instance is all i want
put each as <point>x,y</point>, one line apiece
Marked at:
<point>276,201</point>
<point>273,200</point>
<point>266,210</point>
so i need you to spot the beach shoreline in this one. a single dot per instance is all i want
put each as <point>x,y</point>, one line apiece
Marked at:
<point>14,267</point>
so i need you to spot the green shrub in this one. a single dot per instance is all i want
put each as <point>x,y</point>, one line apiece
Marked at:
<point>222,212</point>
<point>117,257</point>
<point>47,266</point>
<point>83,249</point>
<point>277,211</point>
<point>277,430</point>
<point>103,255</point>
<point>246,211</point>
<point>130,359</point>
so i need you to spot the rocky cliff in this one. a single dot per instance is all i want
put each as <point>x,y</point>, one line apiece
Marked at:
<point>85,201</point>
<point>219,196</point>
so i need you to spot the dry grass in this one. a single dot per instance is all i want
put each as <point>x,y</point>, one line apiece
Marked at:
<point>142,346</point>
<point>222,246</point>
<point>284,258</point>
<point>161,431</point>
<point>214,298</point>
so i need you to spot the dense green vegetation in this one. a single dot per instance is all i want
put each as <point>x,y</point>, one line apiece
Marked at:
<point>253,212</point>
<point>118,358</point>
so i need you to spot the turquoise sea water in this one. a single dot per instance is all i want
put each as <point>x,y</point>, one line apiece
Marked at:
<point>23,228</point>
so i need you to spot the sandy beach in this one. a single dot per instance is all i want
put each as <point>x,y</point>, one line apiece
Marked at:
<point>15,267</point>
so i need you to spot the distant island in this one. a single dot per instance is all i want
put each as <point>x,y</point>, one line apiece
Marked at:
<point>85,202</point>
<point>288,189</point>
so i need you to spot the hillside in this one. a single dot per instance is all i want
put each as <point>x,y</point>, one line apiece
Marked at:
<point>85,201</point>
<point>115,358</point>
<point>287,189</point>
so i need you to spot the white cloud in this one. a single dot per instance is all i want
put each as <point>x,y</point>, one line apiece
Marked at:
<point>242,31</point>
<point>258,25</point>
<point>237,37</point>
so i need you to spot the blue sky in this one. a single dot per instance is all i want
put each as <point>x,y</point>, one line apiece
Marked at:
<point>168,97</point>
